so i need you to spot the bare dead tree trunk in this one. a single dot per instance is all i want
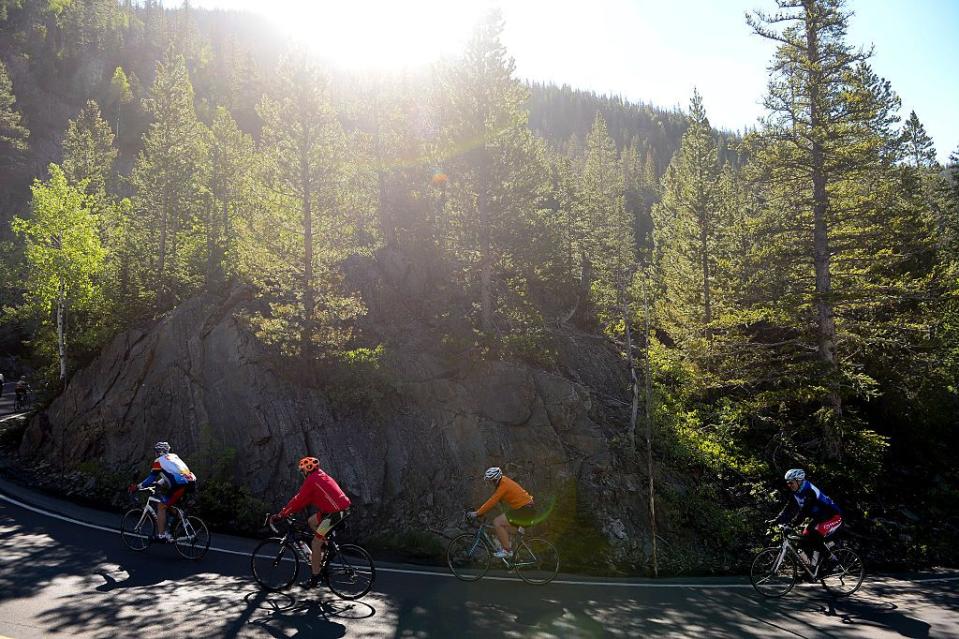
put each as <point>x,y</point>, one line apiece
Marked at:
<point>161,263</point>
<point>309,294</point>
<point>631,434</point>
<point>707,298</point>
<point>62,331</point>
<point>486,258</point>
<point>647,382</point>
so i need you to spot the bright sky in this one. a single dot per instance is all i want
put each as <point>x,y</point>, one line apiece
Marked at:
<point>652,51</point>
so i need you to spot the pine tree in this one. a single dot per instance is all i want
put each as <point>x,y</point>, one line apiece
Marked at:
<point>917,145</point>
<point>119,94</point>
<point>304,165</point>
<point>688,223</point>
<point>13,135</point>
<point>230,189</point>
<point>827,131</point>
<point>88,151</point>
<point>169,179</point>
<point>496,168</point>
<point>606,248</point>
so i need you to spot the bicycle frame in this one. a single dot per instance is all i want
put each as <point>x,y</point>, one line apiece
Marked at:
<point>518,540</point>
<point>787,547</point>
<point>304,550</point>
<point>148,509</point>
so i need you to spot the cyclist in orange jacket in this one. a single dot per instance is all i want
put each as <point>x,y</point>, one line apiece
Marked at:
<point>522,508</point>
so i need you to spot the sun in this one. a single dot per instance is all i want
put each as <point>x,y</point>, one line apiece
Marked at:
<point>378,34</point>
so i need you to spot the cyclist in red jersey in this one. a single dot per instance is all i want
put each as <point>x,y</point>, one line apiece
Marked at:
<point>323,493</point>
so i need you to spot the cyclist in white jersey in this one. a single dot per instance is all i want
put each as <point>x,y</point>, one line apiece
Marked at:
<point>174,478</point>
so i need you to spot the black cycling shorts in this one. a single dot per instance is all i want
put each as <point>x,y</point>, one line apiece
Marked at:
<point>524,516</point>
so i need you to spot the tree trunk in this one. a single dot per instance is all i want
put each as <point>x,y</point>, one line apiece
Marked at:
<point>62,331</point>
<point>211,250</point>
<point>707,300</point>
<point>631,434</point>
<point>821,258</point>
<point>386,222</point>
<point>161,261</point>
<point>647,383</point>
<point>585,283</point>
<point>486,259</point>
<point>309,295</point>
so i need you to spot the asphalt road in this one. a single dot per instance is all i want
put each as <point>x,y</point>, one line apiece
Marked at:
<point>59,578</point>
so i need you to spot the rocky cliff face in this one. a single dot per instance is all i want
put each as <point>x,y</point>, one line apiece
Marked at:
<point>409,457</point>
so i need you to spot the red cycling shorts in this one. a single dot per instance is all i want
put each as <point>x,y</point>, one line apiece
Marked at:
<point>172,497</point>
<point>828,527</point>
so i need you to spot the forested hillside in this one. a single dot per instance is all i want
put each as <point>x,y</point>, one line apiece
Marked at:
<point>785,297</point>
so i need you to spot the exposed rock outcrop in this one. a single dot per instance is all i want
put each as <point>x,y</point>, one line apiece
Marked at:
<point>411,456</point>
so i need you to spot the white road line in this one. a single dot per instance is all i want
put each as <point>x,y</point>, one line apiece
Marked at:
<point>434,573</point>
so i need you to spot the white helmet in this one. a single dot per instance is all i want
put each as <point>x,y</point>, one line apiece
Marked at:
<point>161,448</point>
<point>795,474</point>
<point>493,474</point>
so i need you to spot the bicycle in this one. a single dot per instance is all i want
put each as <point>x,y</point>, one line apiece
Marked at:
<point>775,570</point>
<point>19,401</point>
<point>534,559</point>
<point>138,528</point>
<point>347,568</point>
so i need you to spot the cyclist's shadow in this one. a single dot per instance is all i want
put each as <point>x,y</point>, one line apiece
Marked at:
<point>140,576</point>
<point>866,614</point>
<point>310,617</point>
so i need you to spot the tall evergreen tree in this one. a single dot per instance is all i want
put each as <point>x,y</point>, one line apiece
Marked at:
<point>119,94</point>
<point>230,189</point>
<point>917,145</point>
<point>13,135</point>
<point>496,168</point>
<point>169,179</point>
<point>828,129</point>
<point>688,223</point>
<point>606,248</point>
<point>304,164</point>
<point>88,151</point>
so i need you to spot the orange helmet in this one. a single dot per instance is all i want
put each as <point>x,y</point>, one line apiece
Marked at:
<point>309,464</point>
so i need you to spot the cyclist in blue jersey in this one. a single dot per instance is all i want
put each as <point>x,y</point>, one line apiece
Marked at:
<point>174,479</point>
<point>808,502</point>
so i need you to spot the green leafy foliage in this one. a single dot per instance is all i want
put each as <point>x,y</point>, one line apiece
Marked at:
<point>63,253</point>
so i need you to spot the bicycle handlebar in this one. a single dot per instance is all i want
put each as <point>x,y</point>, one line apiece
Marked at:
<point>268,521</point>
<point>149,489</point>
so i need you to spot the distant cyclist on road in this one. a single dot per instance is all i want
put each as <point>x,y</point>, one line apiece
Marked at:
<point>21,390</point>
<point>808,502</point>
<point>522,513</point>
<point>332,504</point>
<point>172,476</point>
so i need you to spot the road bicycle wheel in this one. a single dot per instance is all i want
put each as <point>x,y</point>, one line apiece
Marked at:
<point>350,572</point>
<point>192,538</point>
<point>536,561</point>
<point>137,529</point>
<point>275,565</point>
<point>468,557</point>
<point>767,579</point>
<point>844,574</point>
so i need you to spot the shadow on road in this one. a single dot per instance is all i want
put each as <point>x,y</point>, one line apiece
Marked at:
<point>88,584</point>
<point>311,616</point>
